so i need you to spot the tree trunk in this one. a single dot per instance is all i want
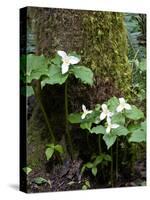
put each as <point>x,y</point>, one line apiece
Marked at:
<point>101,40</point>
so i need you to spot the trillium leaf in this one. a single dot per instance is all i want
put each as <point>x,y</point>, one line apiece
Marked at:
<point>121,130</point>
<point>86,125</point>
<point>89,165</point>
<point>55,76</point>
<point>94,171</point>
<point>118,118</point>
<point>83,73</point>
<point>40,180</point>
<point>33,67</point>
<point>112,104</point>
<point>49,152</point>
<point>27,91</point>
<point>134,113</point>
<point>98,130</point>
<point>109,139</point>
<point>59,148</point>
<point>138,136</point>
<point>74,118</point>
<point>133,127</point>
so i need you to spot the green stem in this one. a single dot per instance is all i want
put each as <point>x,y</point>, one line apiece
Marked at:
<point>112,173</point>
<point>67,125</point>
<point>37,92</point>
<point>116,159</point>
<point>99,144</point>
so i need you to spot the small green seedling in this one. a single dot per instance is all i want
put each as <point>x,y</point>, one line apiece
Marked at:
<point>52,149</point>
<point>27,170</point>
<point>41,181</point>
<point>86,185</point>
<point>97,160</point>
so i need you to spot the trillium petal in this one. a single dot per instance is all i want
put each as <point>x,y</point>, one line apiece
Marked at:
<point>62,54</point>
<point>83,108</point>
<point>102,116</point>
<point>73,60</point>
<point>127,106</point>
<point>108,129</point>
<point>114,126</point>
<point>119,108</point>
<point>121,100</point>
<point>64,68</point>
<point>89,111</point>
<point>83,115</point>
<point>104,107</point>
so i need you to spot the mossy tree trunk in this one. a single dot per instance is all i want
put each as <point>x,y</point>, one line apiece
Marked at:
<point>100,38</point>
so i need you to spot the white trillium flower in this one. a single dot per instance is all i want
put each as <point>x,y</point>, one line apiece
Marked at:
<point>85,112</point>
<point>67,60</point>
<point>105,112</point>
<point>110,125</point>
<point>123,105</point>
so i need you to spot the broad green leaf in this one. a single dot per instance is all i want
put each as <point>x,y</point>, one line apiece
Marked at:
<point>56,60</point>
<point>55,76</point>
<point>98,130</point>
<point>59,148</point>
<point>138,136</point>
<point>133,127</point>
<point>27,91</point>
<point>36,66</point>
<point>89,165</point>
<point>86,125</point>
<point>74,118</point>
<point>83,73</point>
<point>40,180</point>
<point>112,104</point>
<point>118,118</point>
<point>143,126</point>
<point>109,139</point>
<point>49,152</point>
<point>50,145</point>
<point>94,171</point>
<point>134,113</point>
<point>107,157</point>
<point>121,130</point>
<point>98,160</point>
<point>27,170</point>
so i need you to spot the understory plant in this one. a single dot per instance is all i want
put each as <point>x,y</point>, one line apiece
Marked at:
<point>37,71</point>
<point>112,121</point>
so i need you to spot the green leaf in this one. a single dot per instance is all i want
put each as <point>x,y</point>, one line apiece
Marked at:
<point>86,125</point>
<point>87,183</point>
<point>36,66</point>
<point>98,160</point>
<point>27,170</point>
<point>40,181</point>
<point>83,73</point>
<point>133,127</point>
<point>112,104</point>
<point>94,171</point>
<point>118,118</point>
<point>134,113</point>
<point>55,76</point>
<point>57,60</point>
<point>143,126</point>
<point>138,136</point>
<point>27,91</point>
<point>121,130</point>
<point>142,65</point>
<point>109,139</point>
<point>74,118</point>
<point>107,157</point>
<point>98,130</point>
<point>59,148</point>
<point>84,187</point>
<point>49,152</point>
<point>89,165</point>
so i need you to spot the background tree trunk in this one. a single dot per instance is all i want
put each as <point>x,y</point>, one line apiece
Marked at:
<point>101,40</point>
